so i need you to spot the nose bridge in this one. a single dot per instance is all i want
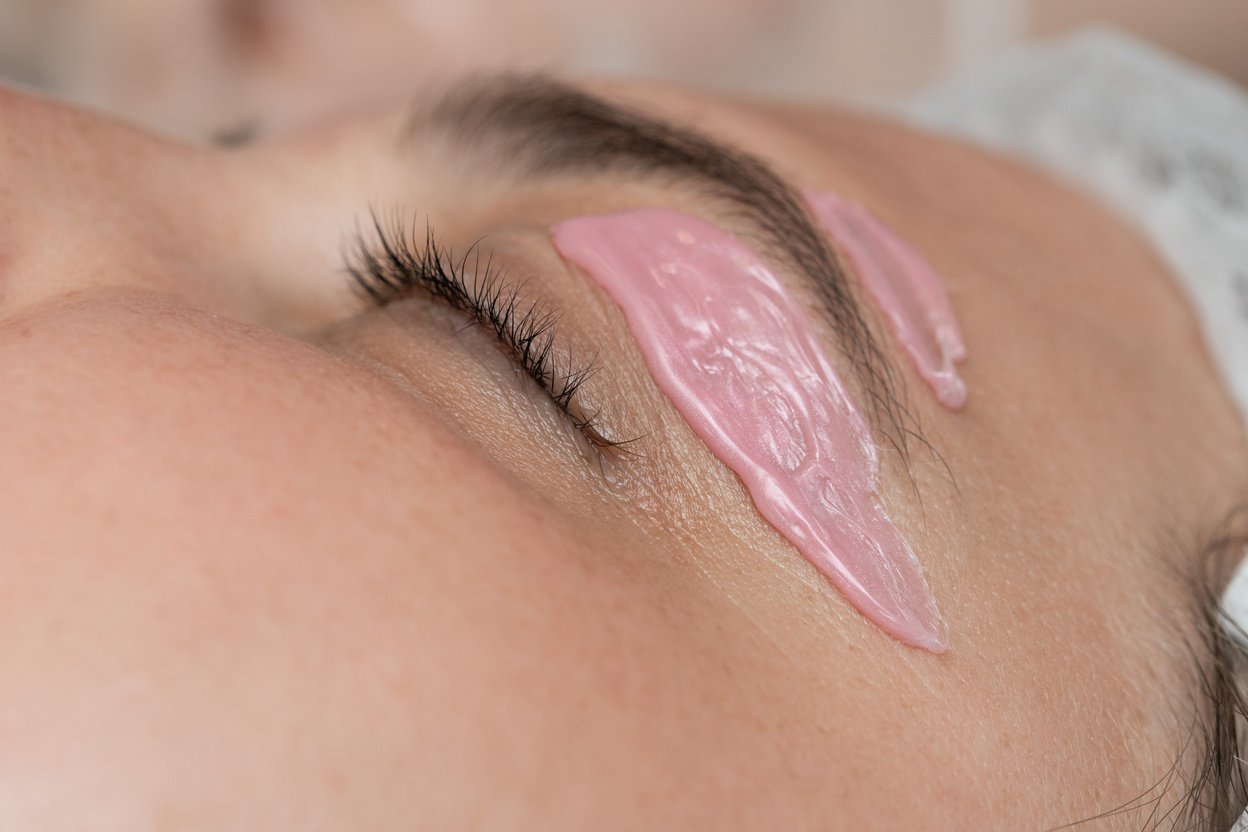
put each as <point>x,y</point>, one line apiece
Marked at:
<point>87,202</point>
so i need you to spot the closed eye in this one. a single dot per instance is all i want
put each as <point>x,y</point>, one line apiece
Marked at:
<point>396,265</point>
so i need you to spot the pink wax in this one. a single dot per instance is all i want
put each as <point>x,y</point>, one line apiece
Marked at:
<point>737,356</point>
<point>905,288</point>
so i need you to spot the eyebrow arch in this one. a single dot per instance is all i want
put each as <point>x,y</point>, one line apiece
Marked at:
<point>533,126</point>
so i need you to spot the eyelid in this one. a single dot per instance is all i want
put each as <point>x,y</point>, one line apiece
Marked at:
<point>396,266</point>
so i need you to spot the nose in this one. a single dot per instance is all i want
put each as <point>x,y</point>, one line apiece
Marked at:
<point>87,202</point>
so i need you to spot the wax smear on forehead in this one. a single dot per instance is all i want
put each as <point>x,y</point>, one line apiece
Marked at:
<point>738,357</point>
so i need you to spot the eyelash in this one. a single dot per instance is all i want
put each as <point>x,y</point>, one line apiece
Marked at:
<point>398,266</point>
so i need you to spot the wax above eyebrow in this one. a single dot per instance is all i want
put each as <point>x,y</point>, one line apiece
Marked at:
<point>905,288</point>
<point>741,362</point>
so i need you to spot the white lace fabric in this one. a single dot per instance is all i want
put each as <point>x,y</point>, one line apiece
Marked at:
<point>1163,142</point>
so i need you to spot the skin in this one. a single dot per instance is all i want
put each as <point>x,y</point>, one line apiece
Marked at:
<point>274,561</point>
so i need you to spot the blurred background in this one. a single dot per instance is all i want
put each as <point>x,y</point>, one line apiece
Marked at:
<point>223,68</point>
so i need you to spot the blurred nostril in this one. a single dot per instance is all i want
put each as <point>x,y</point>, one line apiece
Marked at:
<point>237,135</point>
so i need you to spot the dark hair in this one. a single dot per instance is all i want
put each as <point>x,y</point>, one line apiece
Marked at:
<point>1218,793</point>
<point>1206,787</point>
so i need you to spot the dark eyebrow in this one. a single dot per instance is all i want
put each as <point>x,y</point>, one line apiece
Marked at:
<point>534,126</point>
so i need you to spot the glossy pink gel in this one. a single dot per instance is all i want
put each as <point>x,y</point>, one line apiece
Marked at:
<point>906,289</point>
<point>738,357</point>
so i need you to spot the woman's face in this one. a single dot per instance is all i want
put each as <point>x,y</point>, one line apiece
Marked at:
<point>276,559</point>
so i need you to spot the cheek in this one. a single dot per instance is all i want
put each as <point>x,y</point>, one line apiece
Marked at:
<point>132,411</point>
<point>153,424</point>
<point>239,564</point>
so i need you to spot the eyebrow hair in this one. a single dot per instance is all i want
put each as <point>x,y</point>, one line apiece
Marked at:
<point>535,126</point>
